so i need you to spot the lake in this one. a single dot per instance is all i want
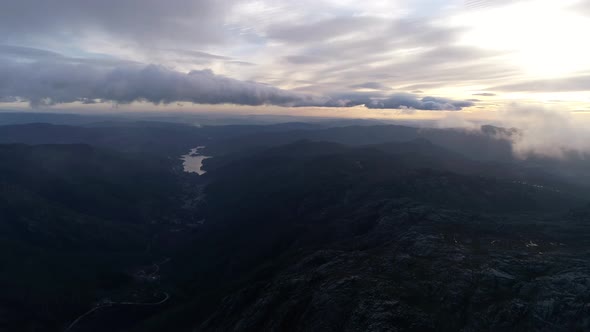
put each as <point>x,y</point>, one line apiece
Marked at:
<point>193,161</point>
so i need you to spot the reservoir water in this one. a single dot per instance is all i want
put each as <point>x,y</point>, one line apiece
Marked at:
<point>193,161</point>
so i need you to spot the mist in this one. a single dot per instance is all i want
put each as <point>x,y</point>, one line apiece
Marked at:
<point>533,130</point>
<point>546,132</point>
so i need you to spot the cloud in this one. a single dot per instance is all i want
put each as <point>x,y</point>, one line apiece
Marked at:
<point>333,45</point>
<point>9,100</point>
<point>573,83</point>
<point>406,100</point>
<point>136,21</point>
<point>400,101</point>
<point>13,51</point>
<point>323,47</point>
<point>371,85</point>
<point>321,30</point>
<point>422,68</point>
<point>582,7</point>
<point>532,130</point>
<point>20,54</point>
<point>486,4</point>
<point>303,59</point>
<point>58,82</point>
<point>45,77</point>
<point>545,131</point>
<point>197,54</point>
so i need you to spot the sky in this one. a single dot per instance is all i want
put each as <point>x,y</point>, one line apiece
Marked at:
<point>377,58</point>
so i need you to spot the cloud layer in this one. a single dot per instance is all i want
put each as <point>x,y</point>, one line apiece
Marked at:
<point>43,78</point>
<point>417,55</point>
<point>406,100</point>
<point>135,21</point>
<point>49,83</point>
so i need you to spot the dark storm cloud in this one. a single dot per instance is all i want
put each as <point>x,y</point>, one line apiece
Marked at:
<point>574,83</point>
<point>59,82</point>
<point>153,21</point>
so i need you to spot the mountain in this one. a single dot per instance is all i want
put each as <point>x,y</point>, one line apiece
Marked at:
<point>73,219</point>
<point>153,138</point>
<point>325,237</point>
<point>292,228</point>
<point>473,144</point>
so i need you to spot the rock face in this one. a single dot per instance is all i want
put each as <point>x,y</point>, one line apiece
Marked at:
<point>434,274</point>
<point>342,248</point>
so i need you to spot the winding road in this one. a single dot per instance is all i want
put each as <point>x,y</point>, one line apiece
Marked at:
<point>109,303</point>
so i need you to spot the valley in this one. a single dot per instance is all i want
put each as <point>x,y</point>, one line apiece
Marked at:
<point>280,227</point>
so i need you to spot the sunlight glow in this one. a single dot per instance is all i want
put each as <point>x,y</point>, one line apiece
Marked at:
<point>544,36</point>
